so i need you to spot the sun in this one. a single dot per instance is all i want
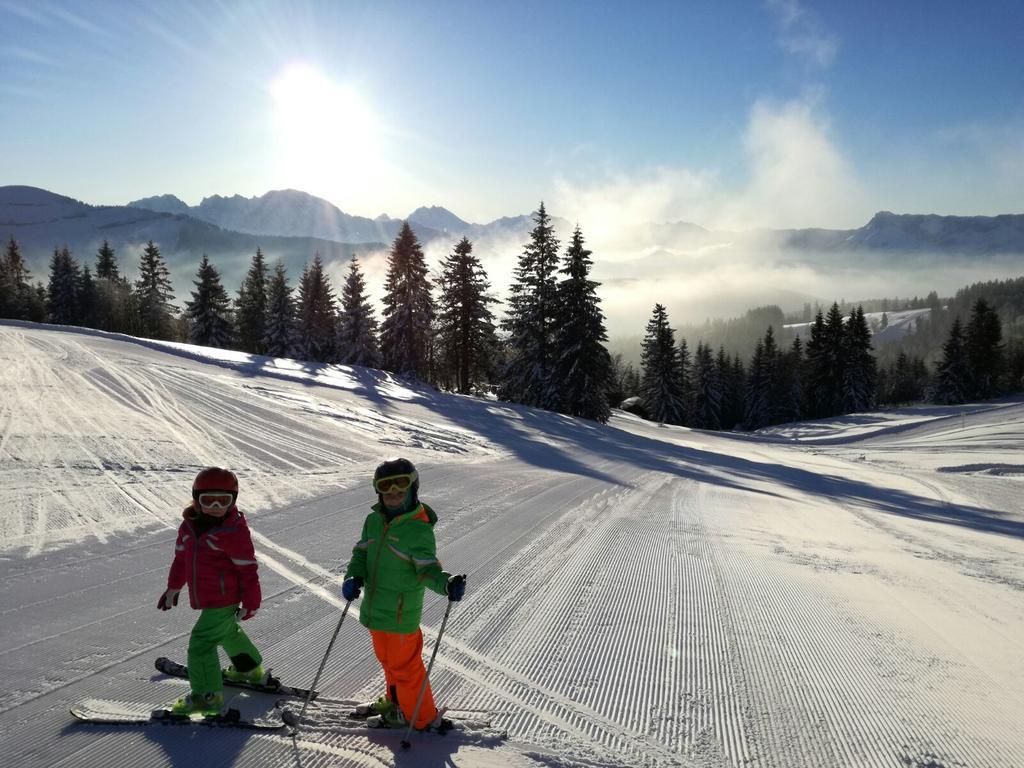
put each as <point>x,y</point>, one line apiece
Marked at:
<point>328,137</point>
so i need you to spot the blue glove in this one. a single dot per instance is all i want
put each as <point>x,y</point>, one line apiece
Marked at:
<point>351,588</point>
<point>456,587</point>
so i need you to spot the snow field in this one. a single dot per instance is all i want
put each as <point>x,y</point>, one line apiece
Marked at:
<point>845,595</point>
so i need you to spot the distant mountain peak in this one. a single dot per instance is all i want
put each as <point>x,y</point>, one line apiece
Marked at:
<point>438,218</point>
<point>161,204</point>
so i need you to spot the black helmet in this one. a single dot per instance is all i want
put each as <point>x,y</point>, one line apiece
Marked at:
<point>398,468</point>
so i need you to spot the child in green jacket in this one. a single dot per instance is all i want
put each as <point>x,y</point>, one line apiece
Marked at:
<point>396,559</point>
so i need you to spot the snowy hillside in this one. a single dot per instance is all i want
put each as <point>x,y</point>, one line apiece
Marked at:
<point>843,593</point>
<point>898,324</point>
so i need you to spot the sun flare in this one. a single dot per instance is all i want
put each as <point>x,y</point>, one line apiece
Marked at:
<point>328,135</point>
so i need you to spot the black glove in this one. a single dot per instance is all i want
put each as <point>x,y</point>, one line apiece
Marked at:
<point>168,599</point>
<point>351,588</point>
<point>456,587</point>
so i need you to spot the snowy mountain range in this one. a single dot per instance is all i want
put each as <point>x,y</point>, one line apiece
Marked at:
<point>291,225</point>
<point>291,213</point>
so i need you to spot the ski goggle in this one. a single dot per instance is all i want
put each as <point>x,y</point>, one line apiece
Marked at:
<point>215,499</point>
<point>393,483</point>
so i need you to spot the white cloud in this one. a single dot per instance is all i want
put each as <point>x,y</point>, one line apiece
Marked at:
<point>803,34</point>
<point>799,177</point>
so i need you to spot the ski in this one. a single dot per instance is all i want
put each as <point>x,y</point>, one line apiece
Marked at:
<point>174,669</point>
<point>467,718</point>
<point>106,712</point>
<point>343,714</point>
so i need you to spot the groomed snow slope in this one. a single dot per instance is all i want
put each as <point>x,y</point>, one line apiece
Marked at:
<point>844,594</point>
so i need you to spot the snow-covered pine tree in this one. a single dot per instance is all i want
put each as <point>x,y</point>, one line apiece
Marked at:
<point>62,290</point>
<point>466,338</point>
<point>405,334</point>
<point>859,366</point>
<point>317,323</point>
<point>209,311</point>
<point>529,322</point>
<point>357,324</point>
<point>983,344</point>
<point>660,387</point>
<point>153,294</point>
<point>582,366</point>
<point>251,306</point>
<point>279,339</point>
<point>707,390</point>
<point>953,376</point>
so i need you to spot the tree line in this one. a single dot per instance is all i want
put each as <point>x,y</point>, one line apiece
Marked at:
<point>440,329</point>
<point>549,349</point>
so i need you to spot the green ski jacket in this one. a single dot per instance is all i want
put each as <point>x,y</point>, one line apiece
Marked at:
<point>396,561</point>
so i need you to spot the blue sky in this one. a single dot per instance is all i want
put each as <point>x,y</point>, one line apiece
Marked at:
<point>727,114</point>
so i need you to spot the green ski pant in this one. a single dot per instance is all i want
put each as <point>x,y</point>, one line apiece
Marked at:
<point>216,627</point>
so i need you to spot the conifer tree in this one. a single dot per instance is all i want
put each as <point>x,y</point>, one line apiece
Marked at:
<point>316,327</point>
<point>251,306</point>
<point>357,325</point>
<point>16,292</point>
<point>816,371</point>
<point>660,387</point>
<point>62,291</point>
<point>904,386</point>
<point>106,263</point>
<point>531,317</point>
<point>983,344</point>
<point>758,406</point>
<point>826,354</point>
<point>279,340</point>
<point>790,395</point>
<point>88,299</point>
<point>466,339</point>
<point>707,390</point>
<point>859,366</point>
<point>408,309</point>
<point>209,311</point>
<point>153,294</point>
<point>953,377</point>
<point>732,376</point>
<point>686,381</point>
<point>114,301</point>
<point>582,366</point>
<point>765,389</point>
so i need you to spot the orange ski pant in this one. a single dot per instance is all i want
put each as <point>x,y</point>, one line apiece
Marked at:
<point>404,673</point>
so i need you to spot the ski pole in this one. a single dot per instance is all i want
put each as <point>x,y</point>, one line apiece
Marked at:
<point>316,679</point>
<point>426,678</point>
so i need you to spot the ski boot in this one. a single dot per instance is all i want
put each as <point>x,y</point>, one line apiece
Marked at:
<point>440,725</point>
<point>255,676</point>
<point>198,704</point>
<point>381,706</point>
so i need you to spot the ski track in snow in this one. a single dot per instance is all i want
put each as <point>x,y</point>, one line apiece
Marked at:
<point>684,602</point>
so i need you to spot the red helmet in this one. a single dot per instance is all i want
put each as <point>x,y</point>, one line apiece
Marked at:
<point>215,479</point>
